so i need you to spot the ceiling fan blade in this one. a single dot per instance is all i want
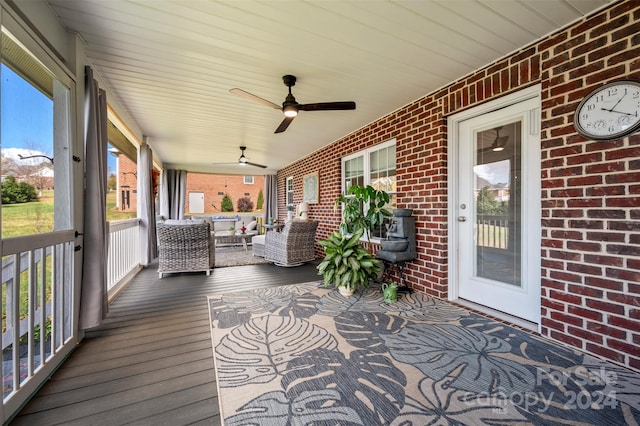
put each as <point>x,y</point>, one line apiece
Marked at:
<point>254,98</point>
<point>285,123</point>
<point>328,106</point>
<point>262,166</point>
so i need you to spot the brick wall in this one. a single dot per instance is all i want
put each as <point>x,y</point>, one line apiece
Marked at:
<point>590,190</point>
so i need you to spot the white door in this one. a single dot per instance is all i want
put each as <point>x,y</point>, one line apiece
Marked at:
<point>498,210</point>
<point>196,202</point>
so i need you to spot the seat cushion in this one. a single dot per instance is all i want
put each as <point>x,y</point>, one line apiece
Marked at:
<point>257,245</point>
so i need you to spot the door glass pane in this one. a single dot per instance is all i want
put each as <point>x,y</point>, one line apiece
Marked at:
<point>498,203</point>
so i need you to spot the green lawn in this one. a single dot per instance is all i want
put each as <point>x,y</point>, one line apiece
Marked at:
<point>37,217</point>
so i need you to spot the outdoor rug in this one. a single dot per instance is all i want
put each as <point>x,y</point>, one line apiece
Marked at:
<point>236,256</point>
<point>304,355</point>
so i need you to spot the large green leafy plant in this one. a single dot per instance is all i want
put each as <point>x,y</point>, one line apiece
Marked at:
<point>347,263</point>
<point>364,209</point>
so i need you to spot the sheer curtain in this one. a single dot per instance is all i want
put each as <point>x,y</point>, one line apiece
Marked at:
<point>146,206</point>
<point>93,295</point>
<point>174,193</point>
<point>270,197</point>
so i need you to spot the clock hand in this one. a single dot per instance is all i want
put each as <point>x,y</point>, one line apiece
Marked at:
<point>618,112</point>
<point>613,107</point>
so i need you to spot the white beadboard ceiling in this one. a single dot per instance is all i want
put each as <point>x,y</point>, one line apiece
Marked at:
<point>171,64</point>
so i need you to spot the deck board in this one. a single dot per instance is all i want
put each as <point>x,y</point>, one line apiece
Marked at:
<point>151,361</point>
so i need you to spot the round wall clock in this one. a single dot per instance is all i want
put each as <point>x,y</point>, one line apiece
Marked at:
<point>610,111</point>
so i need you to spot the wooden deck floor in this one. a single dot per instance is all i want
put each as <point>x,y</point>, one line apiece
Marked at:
<point>151,362</point>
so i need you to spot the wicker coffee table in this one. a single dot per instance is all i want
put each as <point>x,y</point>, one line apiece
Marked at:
<point>233,238</point>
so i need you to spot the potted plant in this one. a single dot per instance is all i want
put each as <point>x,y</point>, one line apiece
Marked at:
<point>347,264</point>
<point>364,209</point>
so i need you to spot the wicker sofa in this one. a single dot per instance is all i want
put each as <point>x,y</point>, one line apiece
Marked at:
<point>293,246</point>
<point>185,247</point>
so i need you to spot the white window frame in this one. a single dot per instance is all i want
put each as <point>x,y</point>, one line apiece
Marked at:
<point>248,180</point>
<point>289,193</point>
<point>366,154</point>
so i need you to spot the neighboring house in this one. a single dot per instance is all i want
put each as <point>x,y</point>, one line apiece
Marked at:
<point>204,191</point>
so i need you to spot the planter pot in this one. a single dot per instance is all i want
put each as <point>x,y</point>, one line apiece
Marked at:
<point>346,291</point>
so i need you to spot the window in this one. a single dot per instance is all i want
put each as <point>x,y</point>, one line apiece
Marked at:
<point>248,180</point>
<point>289,186</point>
<point>375,166</point>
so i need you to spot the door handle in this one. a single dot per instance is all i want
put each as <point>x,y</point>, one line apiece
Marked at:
<point>462,218</point>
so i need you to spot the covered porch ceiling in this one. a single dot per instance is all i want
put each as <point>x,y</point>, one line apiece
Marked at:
<point>171,65</point>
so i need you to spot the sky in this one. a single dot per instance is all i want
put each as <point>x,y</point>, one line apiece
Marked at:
<point>26,118</point>
<point>494,173</point>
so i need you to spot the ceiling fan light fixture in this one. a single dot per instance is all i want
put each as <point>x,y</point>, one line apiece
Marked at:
<point>290,110</point>
<point>500,142</point>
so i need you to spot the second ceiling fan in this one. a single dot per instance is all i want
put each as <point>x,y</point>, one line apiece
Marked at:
<point>290,106</point>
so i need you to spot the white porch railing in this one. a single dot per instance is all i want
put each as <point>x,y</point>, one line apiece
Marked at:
<point>37,310</point>
<point>492,231</point>
<point>37,299</point>
<point>124,250</point>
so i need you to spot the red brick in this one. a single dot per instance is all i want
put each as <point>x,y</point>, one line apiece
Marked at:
<point>625,347</point>
<point>586,335</point>
<point>605,306</point>
<point>606,330</point>
<point>605,352</point>
<point>585,313</point>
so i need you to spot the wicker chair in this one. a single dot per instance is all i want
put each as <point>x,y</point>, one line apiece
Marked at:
<point>293,246</point>
<point>185,248</point>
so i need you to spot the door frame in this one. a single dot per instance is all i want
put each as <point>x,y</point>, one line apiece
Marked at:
<point>453,199</point>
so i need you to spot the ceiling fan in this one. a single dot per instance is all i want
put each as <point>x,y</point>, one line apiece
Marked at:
<point>290,106</point>
<point>243,160</point>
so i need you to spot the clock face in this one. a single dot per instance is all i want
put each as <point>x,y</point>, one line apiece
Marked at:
<point>609,112</point>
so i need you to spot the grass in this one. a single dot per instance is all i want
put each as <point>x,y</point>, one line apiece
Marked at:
<point>37,217</point>
<point>28,218</point>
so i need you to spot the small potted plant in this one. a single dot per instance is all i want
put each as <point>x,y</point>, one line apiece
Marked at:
<point>347,264</point>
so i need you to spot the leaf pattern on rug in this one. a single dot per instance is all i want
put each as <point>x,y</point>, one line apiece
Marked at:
<point>236,308</point>
<point>525,344</point>
<point>367,300</point>
<point>420,307</point>
<point>439,350</point>
<point>303,354</point>
<point>439,403</point>
<point>625,383</point>
<point>369,383</point>
<point>258,351</point>
<point>310,407</point>
<point>364,329</point>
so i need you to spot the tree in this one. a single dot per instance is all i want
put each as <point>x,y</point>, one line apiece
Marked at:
<point>111,182</point>
<point>226,205</point>
<point>14,193</point>
<point>487,203</point>
<point>245,204</point>
<point>260,201</point>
